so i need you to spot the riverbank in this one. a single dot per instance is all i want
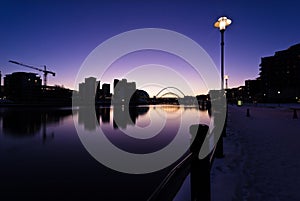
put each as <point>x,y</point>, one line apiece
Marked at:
<point>262,154</point>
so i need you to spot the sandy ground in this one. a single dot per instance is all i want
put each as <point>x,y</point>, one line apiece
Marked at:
<point>262,155</point>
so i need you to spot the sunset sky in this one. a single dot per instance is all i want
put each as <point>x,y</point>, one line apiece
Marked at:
<point>62,33</point>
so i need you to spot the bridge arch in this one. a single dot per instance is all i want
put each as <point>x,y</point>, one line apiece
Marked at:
<point>172,93</point>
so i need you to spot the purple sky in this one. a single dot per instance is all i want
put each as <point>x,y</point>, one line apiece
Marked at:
<point>61,34</point>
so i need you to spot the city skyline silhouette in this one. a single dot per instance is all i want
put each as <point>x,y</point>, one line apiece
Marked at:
<point>56,35</point>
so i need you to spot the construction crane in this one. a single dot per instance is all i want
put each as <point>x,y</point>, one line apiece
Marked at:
<point>45,71</point>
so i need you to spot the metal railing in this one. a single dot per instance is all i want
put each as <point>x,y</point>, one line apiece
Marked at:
<point>199,171</point>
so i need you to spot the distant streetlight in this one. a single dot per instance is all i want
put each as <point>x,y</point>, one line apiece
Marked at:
<point>226,81</point>
<point>278,98</point>
<point>221,24</point>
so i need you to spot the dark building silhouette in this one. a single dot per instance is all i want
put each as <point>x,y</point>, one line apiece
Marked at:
<point>1,89</point>
<point>235,94</point>
<point>116,81</point>
<point>253,90</point>
<point>88,90</point>
<point>26,88</point>
<point>56,95</point>
<point>123,91</point>
<point>278,81</point>
<point>203,101</point>
<point>90,93</point>
<point>280,75</point>
<point>140,97</point>
<point>104,95</point>
<point>22,87</point>
<point>106,90</point>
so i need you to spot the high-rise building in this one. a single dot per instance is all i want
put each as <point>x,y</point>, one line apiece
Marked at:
<point>88,90</point>
<point>106,90</point>
<point>280,74</point>
<point>22,87</point>
<point>123,91</point>
<point>0,84</point>
<point>253,90</point>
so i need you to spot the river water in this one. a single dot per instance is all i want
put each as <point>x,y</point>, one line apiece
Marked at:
<point>42,154</point>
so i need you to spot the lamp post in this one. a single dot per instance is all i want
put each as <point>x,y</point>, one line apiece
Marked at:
<point>278,92</point>
<point>221,24</point>
<point>0,85</point>
<point>226,81</point>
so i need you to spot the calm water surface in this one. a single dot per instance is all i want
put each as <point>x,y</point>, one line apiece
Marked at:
<point>41,153</point>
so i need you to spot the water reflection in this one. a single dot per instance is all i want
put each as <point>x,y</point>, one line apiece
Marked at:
<point>104,113</point>
<point>64,166</point>
<point>139,130</point>
<point>121,130</point>
<point>122,116</point>
<point>138,140</point>
<point>28,122</point>
<point>86,116</point>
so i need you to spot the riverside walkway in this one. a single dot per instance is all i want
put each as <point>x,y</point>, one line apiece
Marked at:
<point>262,155</point>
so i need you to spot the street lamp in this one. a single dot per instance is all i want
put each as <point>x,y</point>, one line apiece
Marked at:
<point>278,98</point>
<point>226,81</point>
<point>221,24</point>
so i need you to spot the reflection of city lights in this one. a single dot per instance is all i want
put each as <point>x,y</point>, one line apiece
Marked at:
<point>170,108</point>
<point>172,111</point>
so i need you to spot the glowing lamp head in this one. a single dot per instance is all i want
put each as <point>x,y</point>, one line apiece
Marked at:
<point>226,77</point>
<point>222,23</point>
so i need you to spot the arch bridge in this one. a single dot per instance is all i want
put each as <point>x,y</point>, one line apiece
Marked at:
<point>166,91</point>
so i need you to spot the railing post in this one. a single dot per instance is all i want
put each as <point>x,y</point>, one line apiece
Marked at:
<point>248,112</point>
<point>295,116</point>
<point>219,146</point>
<point>200,169</point>
<point>198,132</point>
<point>200,179</point>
